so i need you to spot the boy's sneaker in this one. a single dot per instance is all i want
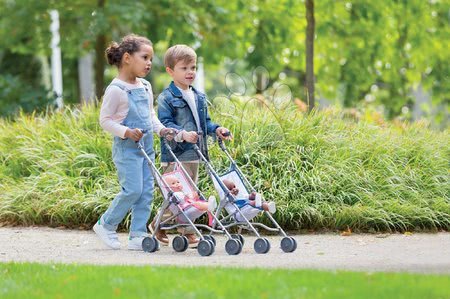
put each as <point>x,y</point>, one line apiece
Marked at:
<point>192,240</point>
<point>160,235</point>
<point>135,243</point>
<point>272,207</point>
<point>258,200</point>
<point>212,203</point>
<point>107,236</point>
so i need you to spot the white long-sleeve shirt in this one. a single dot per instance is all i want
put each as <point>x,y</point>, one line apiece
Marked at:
<point>115,109</point>
<point>189,96</point>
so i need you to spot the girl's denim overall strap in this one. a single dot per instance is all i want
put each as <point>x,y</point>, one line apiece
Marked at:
<point>135,177</point>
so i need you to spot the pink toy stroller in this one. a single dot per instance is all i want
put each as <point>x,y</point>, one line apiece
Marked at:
<point>185,211</point>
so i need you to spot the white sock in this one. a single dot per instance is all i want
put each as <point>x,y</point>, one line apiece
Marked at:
<point>272,207</point>
<point>258,200</point>
<point>212,203</point>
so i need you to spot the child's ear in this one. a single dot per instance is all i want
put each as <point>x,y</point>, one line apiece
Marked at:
<point>126,57</point>
<point>169,70</point>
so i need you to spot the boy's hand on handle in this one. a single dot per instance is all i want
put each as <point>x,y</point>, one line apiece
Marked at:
<point>224,133</point>
<point>190,137</point>
<point>168,133</point>
<point>134,134</point>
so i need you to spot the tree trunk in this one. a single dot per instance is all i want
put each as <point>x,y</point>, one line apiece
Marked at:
<point>310,27</point>
<point>100,45</point>
<point>85,78</point>
<point>260,83</point>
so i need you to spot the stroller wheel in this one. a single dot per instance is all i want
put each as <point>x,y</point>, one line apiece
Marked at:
<point>150,244</point>
<point>180,243</point>
<point>233,247</point>
<point>288,244</point>
<point>261,245</point>
<point>238,237</point>
<point>211,238</point>
<point>205,247</point>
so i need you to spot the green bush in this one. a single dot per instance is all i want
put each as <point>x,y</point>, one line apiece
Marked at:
<point>21,88</point>
<point>15,96</point>
<point>325,170</point>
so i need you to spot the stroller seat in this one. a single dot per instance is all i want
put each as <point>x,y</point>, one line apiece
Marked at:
<point>183,198</point>
<point>239,208</point>
<point>187,198</point>
<point>241,201</point>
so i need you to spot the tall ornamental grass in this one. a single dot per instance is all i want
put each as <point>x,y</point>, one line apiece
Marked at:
<point>325,170</point>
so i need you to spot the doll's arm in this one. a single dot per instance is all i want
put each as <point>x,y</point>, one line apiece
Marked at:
<point>193,197</point>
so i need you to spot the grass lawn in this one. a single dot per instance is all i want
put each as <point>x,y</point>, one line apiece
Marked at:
<point>25,280</point>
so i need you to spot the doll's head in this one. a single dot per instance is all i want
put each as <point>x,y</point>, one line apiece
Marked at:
<point>231,186</point>
<point>174,183</point>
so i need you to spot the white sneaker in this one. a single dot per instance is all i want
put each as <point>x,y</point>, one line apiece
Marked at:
<point>135,243</point>
<point>272,207</point>
<point>258,200</point>
<point>212,203</point>
<point>107,236</point>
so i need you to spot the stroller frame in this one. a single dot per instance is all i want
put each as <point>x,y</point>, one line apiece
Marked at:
<point>234,244</point>
<point>261,245</point>
<point>207,243</point>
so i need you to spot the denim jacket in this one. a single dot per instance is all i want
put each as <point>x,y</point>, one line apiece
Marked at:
<point>174,112</point>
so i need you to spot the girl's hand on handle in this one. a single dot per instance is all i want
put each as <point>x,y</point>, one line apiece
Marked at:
<point>134,134</point>
<point>190,137</point>
<point>224,133</point>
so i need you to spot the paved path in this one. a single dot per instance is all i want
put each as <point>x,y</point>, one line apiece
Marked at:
<point>423,253</point>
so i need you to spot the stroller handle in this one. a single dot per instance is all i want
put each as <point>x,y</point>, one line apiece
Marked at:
<point>143,131</point>
<point>220,142</point>
<point>172,132</point>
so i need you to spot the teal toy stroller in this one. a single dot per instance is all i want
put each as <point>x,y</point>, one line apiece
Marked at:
<point>239,212</point>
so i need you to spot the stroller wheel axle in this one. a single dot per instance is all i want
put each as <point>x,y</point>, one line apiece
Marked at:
<point>211,238</point>
<point>261,245</point>
<point>288,244</point>
<point>233,246</point>
<point>238,237</point>
<point>205,247</point>
<point>180,243</point>
<point>150,244</point>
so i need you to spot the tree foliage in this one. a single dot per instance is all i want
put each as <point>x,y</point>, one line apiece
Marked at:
<point>381,50</point>
<point>366,52</point>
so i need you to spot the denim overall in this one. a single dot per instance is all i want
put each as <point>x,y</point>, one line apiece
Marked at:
<point>135,177</point>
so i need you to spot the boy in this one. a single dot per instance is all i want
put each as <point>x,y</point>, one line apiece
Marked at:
<point>182,107</point>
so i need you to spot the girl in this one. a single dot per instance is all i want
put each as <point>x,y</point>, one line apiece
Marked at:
<point>126,112</point>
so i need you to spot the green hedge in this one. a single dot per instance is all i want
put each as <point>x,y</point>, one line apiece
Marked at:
<point>326,170</point>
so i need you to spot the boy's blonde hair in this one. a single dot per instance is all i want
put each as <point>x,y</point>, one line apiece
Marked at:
<point>179,53</point>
